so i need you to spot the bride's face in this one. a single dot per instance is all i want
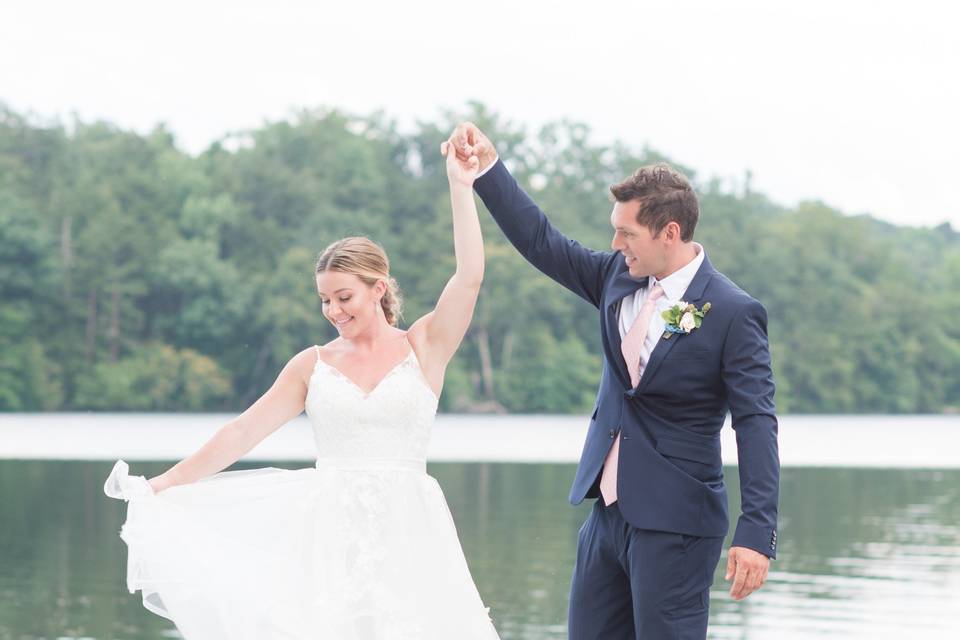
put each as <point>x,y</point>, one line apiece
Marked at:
<point>351,305</point>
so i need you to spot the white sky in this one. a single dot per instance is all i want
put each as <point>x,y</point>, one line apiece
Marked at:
<point>852,102</point>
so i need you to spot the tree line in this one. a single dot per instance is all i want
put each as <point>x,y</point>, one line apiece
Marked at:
<point>135,276</point>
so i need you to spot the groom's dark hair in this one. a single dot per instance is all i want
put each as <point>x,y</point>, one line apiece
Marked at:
<point>665,196</point>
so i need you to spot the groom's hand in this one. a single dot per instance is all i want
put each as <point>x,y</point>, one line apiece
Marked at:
<point>748,569</point>
<point>468,140</point>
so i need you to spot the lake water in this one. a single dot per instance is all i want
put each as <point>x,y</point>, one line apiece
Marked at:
<point>868,549</point>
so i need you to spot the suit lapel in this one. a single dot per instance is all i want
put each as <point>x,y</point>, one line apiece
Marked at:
<point>693,294</point>
<point>622,285</point>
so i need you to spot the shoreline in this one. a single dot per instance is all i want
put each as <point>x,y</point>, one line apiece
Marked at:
<point>915,441</point>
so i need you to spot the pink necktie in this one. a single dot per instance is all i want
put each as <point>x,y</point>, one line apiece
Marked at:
<point>630,347</point>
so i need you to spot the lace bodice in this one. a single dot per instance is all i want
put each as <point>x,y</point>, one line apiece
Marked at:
<point>391,422</point>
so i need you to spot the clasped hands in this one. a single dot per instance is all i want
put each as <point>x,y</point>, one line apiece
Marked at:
<point>473,153</point>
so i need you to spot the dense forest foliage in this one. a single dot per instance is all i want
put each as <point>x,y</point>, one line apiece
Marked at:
<point>134,276</point>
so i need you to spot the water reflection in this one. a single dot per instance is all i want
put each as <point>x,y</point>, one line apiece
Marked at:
<point>864,553</point>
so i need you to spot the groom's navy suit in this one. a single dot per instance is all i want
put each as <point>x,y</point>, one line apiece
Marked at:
<point>671,511</point>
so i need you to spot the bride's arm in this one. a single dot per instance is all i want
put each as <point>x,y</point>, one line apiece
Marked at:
<point>280,404</point>
<point>441,331</point>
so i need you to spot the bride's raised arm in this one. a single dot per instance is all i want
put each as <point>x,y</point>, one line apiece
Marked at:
<point>282,402</point>
<point>441,331</point>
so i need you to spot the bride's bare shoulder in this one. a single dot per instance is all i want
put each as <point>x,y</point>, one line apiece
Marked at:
<point>305,361</point>
<point>327,350</point>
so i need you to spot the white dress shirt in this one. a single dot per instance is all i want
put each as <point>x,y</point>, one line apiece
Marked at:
<point>488,167</point>
<point>674,287</point>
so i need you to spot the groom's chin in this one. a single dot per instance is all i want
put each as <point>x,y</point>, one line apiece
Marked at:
<point>633,267</point>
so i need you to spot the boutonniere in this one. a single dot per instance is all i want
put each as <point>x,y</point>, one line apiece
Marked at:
<point>683,317</point>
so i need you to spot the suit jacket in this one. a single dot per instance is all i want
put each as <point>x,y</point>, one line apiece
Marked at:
<point>670,474</point>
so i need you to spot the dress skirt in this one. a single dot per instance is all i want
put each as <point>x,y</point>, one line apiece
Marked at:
<point>347,550</point>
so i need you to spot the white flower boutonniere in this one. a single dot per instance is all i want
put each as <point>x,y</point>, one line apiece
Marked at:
<point>683,317</point>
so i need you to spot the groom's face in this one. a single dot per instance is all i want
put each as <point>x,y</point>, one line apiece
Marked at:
<point>644,253</point>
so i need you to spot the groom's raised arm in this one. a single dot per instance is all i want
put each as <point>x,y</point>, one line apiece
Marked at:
<point>567,261</point>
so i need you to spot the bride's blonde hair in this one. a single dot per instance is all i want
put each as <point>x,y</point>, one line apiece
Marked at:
<point>368,261</point>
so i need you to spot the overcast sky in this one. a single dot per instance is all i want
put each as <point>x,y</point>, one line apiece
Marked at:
<point>852,102</point>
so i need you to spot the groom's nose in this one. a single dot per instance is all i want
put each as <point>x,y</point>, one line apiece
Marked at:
<point>614,244</point>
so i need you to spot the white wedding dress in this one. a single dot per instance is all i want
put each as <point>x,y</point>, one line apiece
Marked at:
<point>361,547</point>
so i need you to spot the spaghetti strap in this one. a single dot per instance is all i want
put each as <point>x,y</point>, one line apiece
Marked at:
<point>316,363</point>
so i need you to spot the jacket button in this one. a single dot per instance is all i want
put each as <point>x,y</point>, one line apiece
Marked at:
<point>612,433</point>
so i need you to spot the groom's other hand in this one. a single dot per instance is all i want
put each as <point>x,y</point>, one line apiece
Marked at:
<point>468,141</point>
<point>748,569</point>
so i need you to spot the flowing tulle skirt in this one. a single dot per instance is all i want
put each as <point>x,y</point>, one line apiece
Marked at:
<point>350,550</point>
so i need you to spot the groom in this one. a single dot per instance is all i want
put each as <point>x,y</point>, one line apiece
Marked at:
<point>647,552</point>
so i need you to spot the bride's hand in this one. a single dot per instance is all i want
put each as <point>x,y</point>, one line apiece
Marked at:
<point>461,172</point>
<point>158,483</point>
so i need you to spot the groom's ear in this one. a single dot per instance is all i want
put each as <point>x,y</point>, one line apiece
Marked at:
<point>671,232</point>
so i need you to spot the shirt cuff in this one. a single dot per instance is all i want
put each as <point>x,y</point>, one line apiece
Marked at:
<point>489,166</point>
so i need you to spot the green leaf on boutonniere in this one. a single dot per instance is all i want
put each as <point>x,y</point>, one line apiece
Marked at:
<point>683,317</point>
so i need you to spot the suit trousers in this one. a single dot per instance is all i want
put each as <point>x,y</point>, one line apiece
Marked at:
<point>639,584</point>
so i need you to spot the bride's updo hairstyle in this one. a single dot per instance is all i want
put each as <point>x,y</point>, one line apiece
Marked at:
<point>368,261</point>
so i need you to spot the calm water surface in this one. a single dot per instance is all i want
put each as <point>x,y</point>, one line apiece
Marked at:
<point>864,553</point>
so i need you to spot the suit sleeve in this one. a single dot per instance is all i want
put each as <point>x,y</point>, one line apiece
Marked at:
<point>748,378</point>
<point>523,223</point>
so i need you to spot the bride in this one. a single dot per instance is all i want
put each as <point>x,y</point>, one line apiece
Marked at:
<point>360,547</point>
